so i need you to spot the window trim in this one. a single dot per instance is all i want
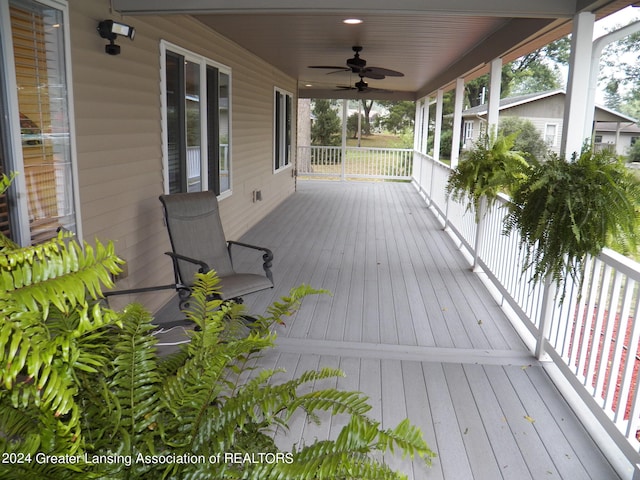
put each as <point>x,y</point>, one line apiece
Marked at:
<point>467,130</point>
<point>20,206</point>
<point>276,129</point>
<point>204,147</point>
<point>554,141</point>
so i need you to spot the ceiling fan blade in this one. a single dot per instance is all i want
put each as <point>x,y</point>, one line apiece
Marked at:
<point>372,75</point>
<point>385,72</point>
<point>332,67</point>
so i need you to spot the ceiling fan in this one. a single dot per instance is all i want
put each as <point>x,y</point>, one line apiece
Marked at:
<point>358,66</point>
<point>362,86</point>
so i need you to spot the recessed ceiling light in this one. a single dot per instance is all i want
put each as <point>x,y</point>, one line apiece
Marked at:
<point>352,21</point>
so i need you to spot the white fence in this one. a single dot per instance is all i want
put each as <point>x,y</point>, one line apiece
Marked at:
<point>360,162</point>
<point>592,335</point>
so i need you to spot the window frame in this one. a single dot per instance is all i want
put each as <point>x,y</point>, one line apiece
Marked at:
<point>282,129</point>
<point>467,130</point>
<point>551,142</point>
<point>204,62</point>
<point>19,210</point>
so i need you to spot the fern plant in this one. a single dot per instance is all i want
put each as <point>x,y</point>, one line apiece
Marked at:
<point>50,323</point>
<point>491,167</point>
<point>83,385</point>
<point>567,210</point>
<point>206,401</point>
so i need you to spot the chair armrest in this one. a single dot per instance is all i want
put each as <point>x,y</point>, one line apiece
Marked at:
<point>267,258</point>
<point>204,268</point>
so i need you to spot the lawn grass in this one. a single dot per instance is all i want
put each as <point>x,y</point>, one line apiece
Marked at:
<point>380,140</point>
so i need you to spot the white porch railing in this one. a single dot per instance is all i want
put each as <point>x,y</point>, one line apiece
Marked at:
<point>593,336</point>
<point>194,168</point>
<point>360,162</point>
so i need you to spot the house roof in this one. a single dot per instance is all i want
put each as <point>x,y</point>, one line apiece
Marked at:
<point>432,43</point>
<point>515,101</point>
<point>613,127</point>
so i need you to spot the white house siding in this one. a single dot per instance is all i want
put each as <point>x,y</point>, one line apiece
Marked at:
<point>119,140</point>
<point>609,138</point>
<point>541,124</point>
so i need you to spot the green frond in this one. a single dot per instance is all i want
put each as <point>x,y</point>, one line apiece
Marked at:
<point>326,460</point>
<point>567,210</point>
<point>287,306</point>
<point>406,437</point>
<point>332,400</point>
<point>491,167</point>
<point>5,181</point>
<point>135,380</point>
<point>57,273</point>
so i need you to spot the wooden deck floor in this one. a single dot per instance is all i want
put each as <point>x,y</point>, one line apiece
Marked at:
<point>415,330</point>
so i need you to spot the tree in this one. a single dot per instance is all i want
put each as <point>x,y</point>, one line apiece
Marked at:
<point>620,75</point>
<point>325,129</point>
<point>634,152</point>
<point>527,137</point>
<point>539,70</point>
<point>400,116</point>
<point>535,72</point>
<point>366,107</point>
<point>352,125</point>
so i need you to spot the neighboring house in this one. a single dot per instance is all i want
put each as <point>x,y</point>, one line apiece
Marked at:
<point>545,110</point>
<point>620,135</point>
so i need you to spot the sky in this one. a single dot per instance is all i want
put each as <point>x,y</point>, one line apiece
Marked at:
<point>620,19</point>
<point>612,22</point>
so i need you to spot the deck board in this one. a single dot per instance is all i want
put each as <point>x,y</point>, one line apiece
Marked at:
<point>416,330</point>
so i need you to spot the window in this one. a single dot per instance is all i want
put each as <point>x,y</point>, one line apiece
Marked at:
<point>197,97</point>
<point>550,132</point>
<point>35,96</point>
<point>468,130</point>
<point>282,129</point>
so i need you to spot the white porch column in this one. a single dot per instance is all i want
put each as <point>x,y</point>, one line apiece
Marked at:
<point>495,86</point>
<point>425,125</point>
<point>457,122</point>
<point>344,139</point>
<point>576,102</point>
<point>417,126</point>
<point>438,128</point>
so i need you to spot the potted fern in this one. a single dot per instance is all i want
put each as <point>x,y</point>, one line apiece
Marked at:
<point>83,393</point>
<point>566,210</point>
<point>491,167</point>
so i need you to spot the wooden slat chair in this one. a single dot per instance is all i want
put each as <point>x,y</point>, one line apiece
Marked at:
<point>198,245</point>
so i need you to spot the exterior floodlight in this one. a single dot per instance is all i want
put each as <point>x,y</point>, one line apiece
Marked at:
<point>110,30</point>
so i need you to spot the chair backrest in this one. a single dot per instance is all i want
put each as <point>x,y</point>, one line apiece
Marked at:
<point>195,231</point>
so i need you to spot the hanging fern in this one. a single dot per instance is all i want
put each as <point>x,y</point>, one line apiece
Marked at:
<point>567,210</point>
<point>491,167</point>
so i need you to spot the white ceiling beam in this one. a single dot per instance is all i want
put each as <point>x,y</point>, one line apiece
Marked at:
<point>494,8</point>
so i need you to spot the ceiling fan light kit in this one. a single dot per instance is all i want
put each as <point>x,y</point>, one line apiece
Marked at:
<point>359,67</point>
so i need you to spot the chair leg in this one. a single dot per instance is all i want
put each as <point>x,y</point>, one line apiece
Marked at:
<point>183,295</point>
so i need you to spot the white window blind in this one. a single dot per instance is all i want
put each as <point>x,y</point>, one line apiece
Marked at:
<point>39,56</point>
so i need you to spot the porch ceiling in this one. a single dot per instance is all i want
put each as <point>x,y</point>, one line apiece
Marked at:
<point>432,43</point>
